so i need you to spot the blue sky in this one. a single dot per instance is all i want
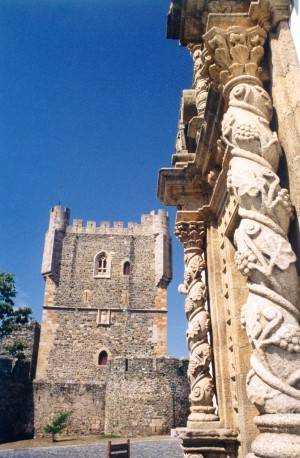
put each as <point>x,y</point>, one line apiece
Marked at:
<point>89,93</point>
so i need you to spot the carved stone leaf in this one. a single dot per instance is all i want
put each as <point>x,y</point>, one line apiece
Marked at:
<point>250,184</point>
<point>278,249</point>
<point>240,54</point>
<point>256,54</point>
<point>198,292</point>
<point>222,57</point>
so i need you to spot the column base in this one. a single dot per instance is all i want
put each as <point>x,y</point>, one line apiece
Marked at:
<point>279,438</point>
<point>196,419</point>
<point>208,443</point>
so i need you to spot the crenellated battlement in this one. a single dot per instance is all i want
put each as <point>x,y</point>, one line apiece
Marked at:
<point>155,223</point>
<point>151,223</point>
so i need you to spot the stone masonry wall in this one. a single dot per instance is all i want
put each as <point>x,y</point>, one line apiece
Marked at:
<point>86,401</point>
<point>126,315</point>
<point>77,340</point>
<point>77,266</point>
<point>16,391</point>
<point>132,397</point>
<point>16,399</point>
<point>146,396</point>
<point>29,335</point>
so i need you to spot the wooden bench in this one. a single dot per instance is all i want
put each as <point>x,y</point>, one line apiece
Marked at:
<point>119,450</point>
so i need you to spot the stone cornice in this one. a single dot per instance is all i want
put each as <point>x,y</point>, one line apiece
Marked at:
<point>212,210</point>
<point>192,183</point>
<point>176,186</point>
<point>187,19</point>
<point>96,309</point>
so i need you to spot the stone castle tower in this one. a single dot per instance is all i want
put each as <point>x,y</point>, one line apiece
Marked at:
<point>105,306</point>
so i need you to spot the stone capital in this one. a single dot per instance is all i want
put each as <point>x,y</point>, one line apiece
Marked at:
<point>234,46</point>
<point>191,235</point>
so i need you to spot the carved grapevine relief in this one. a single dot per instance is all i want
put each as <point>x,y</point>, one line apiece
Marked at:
<point>200,77</point>
<point>202,387</point>
<point>264,254</point>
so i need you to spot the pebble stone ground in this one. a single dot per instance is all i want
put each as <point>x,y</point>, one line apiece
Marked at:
<point>150,449</point>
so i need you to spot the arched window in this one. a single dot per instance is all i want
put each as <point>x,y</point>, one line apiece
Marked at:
<point>126,268</point>
<point>103,358</point>
<point>102,265</point>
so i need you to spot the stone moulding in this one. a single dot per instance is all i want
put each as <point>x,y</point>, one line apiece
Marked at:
<point>114,309</point>
<point>208,442</point>
<point>187,19</point>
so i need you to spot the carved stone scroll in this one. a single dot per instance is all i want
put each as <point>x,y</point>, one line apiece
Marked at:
<point>192,236</point>
<point>264,254</point>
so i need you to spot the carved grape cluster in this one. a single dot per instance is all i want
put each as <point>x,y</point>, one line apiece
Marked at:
<point>244,134</point>
<point>284,198</point>
<point>244,261</point>
<point>291,342</point>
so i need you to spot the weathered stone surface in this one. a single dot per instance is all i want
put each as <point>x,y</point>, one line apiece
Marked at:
<point>192,236</point>
<point>132,397</point>
<point>148,396</point>
<point>16,399</point>
<point>85,400</point>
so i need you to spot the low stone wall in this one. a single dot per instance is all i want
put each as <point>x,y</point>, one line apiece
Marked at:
<point>85,401</point>
<point>146,396</point>
<point>137,396</point>
<point>16,399</point>
<point>16,391</point>
<point>29,335</point>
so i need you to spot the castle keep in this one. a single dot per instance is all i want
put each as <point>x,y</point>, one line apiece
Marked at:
<point>103,337</point>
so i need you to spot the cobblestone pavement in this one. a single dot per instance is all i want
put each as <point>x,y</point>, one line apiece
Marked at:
<point>150,449</point>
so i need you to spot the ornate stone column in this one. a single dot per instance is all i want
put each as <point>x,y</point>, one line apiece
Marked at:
<point>235,45</point>
<point>200,77</point>
<point>192,236</point>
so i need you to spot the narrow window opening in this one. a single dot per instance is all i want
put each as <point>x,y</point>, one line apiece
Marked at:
<point>126,364</point>
<point>103,358</point>
<point>126,268</point>
<point>87,295</point>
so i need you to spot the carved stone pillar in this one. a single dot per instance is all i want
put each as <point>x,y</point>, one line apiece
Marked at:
<point>192,236</point>
<point>200,77</point>
<point>264,254</point>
